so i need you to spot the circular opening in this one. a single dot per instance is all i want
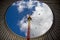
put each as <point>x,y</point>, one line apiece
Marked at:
<point>17,18</point>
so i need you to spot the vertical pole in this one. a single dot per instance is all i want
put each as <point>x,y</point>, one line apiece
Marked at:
<point>28,32</point>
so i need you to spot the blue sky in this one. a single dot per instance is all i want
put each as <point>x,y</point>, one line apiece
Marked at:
<point>13,16</point>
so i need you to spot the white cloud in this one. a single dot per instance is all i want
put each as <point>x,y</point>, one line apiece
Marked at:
<point>40,24</point>
<point>20,8</point>
<point>30,4</point>
<point>23,26</point>
<point>22,4</point>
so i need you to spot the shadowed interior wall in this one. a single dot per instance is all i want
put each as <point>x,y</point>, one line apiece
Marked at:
<point>52,34</point>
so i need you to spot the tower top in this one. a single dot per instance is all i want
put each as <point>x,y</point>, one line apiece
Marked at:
<point>29,17</point>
